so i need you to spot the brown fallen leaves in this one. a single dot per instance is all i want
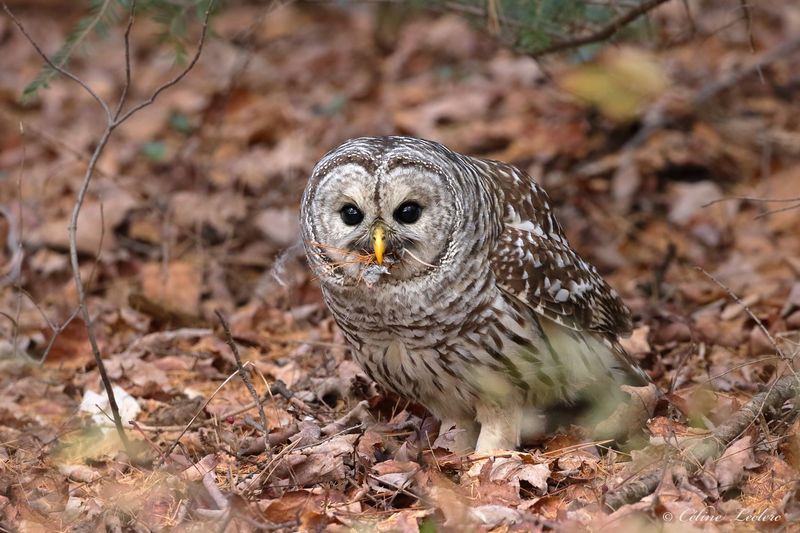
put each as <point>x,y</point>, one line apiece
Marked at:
<point>199,199</point>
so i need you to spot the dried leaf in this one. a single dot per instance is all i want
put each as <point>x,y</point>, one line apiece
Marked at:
<point>730,467</point>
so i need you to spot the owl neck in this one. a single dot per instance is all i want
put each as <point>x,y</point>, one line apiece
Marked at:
<point>441,299</point>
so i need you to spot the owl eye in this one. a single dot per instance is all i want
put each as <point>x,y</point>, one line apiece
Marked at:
<point>408,212</point>
<point>351,215</point>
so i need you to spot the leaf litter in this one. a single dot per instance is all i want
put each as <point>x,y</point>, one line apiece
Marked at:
<point>206,225</point>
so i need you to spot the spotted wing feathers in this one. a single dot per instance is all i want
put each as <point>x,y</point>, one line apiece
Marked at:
<point>552,279</point>
<point>534,262</point>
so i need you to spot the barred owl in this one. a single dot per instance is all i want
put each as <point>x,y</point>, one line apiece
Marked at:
<point>456,288</point>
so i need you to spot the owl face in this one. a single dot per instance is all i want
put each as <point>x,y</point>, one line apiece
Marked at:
<point>374,210</point>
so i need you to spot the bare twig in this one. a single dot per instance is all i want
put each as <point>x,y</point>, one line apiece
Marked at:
<point>64,72</point>
<point>76,271</point>
<point>113,121</point>
<point>14,234</point>
<point>16,248</point>
<point>197,413</point>
<point>795,201</point>
<point>733,78</point>
<point>780,353</point>
<point>603,33</point>
<point>12,271</point>
<point>245,377</point>
<point>748,19</point>
<point>178,77</point>
<point>744,306</point>
<point>693,454</point>
<point>127,39</point>
<point>57,330</point>
<point>752,199</point>
<point>697,452</point>
<point>399,488</point>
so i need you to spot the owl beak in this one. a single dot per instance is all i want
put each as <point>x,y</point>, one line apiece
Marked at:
<point>379,243</point>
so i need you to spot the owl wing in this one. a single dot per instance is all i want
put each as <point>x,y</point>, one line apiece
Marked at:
<point>552,279</point>
<point>534,262</point>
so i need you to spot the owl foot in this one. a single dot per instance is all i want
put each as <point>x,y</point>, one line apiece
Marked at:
<point>500,427</point>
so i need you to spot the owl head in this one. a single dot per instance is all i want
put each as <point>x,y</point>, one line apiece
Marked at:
<point>387,210</point>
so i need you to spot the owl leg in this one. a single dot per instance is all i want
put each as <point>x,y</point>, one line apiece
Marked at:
<point>466,437</point>
<point>500,426</point>
<point>533,427</point>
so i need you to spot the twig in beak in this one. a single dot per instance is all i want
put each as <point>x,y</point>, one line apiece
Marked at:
<point>407,251</point>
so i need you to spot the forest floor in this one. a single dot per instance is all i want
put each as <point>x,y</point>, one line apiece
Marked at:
<point>193,209</point>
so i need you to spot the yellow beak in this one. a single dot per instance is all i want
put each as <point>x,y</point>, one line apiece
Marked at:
<point>378,243</point>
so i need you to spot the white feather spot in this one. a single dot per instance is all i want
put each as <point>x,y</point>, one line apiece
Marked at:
<point>562,295</point>
<point>528,225</point>
<point>554,287</point>
<point>580,287</point>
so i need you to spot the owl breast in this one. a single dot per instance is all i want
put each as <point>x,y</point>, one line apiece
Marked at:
<point>410,337</point>
<point>448,354</point>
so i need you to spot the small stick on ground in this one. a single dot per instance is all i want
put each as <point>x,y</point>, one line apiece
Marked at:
<point>245,377</point>
<point>697,452</point>
<point>199,410</point>
<point>358,415</point>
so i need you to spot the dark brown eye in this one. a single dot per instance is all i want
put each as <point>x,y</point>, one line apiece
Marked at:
<point>408,212</point>
<point>351,215</point>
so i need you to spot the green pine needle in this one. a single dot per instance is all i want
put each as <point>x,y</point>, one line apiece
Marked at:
<point>101,16</point>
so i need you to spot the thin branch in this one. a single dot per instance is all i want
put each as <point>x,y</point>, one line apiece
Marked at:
<point>57,330</point>
<point>602,33</point>
<point>753,317</point>
<point>76,271</point>
<point>177,78</point>
<point>245,377</point>
<point>733,78</point>
<point>748,19</point>
<point>794,201</point>
<point>17,249</point>
<point>196,414</point>
<point>14,246</point>
<point>55,67</point>
<point>697,452</point>
<point>112,122</point>
<point>127,39</point>
<point>752,199</point>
